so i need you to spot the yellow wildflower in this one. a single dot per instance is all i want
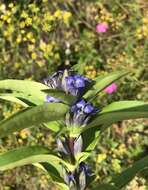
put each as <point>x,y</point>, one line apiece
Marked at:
<point>40,63</point>
<point>49,48</point>
<point>19,39</point>
<point>24,15</point>
<point>34,55</point>
<point>57,56</point>
<point>66,17</point>
<point>31,47</point>
<point>11,5</point>
<point>29,35</point>
<point>24,133</point>
<point>48,16</point>
<point>43,45</point>
<point>101,157</point>
<point>22,24</point>
<point>22,31</point>
<point>28,21</point>
<point>46,27</point>
<point>58,14</point>
<point>3,8</point>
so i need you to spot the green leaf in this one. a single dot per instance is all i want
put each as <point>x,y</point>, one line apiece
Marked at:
<point>32,116</point>
<point>118,111</point>
<point>23,99</point>
<point>90,139</point>
<point>26,155</point>
<point>126,176</point>
<point>10,98</point>
<point>28,89</point>
<point>27,86</point>
<point>54,125</point>
<point>53,171</point>
<point>105,187</point>
<point>61,95</point>
<point>103,81</point>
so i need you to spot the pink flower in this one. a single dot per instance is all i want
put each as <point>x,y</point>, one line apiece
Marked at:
<point>102,27</point>
<point>111,88</point>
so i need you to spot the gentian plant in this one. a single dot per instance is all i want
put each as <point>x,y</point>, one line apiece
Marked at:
<point>63,104</point>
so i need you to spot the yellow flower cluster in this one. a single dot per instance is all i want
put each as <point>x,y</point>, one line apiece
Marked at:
<point>90,71</point>
<point>104,16</point>
<point>24,133</point>
<point>120,59</point>
<point>28,30</point>
<point>142,32</point>
<point>63,15</point>
<point>15,108</point>
<point>101,157</point>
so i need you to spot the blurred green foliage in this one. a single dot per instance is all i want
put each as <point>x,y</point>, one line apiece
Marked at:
<point>38,37</point>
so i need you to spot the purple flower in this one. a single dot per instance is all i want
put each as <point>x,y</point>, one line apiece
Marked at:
<point>69,82</point>
<point>102,27</point>
<point>81,113</point>
<point>84,167</point>
<point>50,99</point>
<point>88,109</point>
<point>70,177</point>
<point>83,106</point>
<point>111,88</point>
<point>54,81</point>
<point>75,84</point>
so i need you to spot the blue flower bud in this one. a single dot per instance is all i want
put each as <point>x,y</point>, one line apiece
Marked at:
<point>88,109</point>
<point>79,83</point>
<point>84,167</point>
<point>81,104</point>
<point>62,147</point>
<point>50,99</point>
<point>78,145</point>
<point>81,112</point>
<point>69,82</point>
<point>70,177</point>
<point>54,81</point>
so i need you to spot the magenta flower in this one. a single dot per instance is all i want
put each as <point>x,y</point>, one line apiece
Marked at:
<point>111,88</point>
<point>102,27</point>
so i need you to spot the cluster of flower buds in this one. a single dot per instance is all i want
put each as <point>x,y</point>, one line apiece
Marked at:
<point>68,81</point>
<point>79,115</point>
<point>78,178</point>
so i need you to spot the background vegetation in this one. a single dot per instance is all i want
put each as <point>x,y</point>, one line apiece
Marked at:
<point>39,37</point>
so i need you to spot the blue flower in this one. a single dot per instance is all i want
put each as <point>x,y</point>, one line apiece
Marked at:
<point>75,84</point>
<point>83,106</point>
<point>50,99</point>
<point>70,177</point>
<point>88,109</point>
<point>84,167</point>
<point>81,113</point>
<point>54,81</point>
<point>69,82</point>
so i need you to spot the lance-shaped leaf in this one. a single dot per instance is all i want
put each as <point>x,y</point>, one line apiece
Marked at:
<point>105,187</point>
<point>29,90</point>
<point>55,172</point>
<point>54,125</point>
<point>118,111</point>
<point>32,116</point>
<point>13,99</point>
<point>126,176</point>
<point>61,95</point>
<point>103,81</point>
<point>23,99</point>
<point>29,87</point>
<point>26,155</point>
